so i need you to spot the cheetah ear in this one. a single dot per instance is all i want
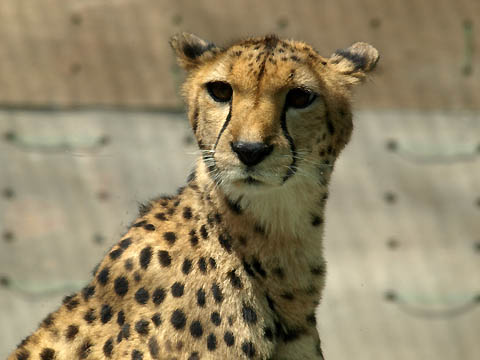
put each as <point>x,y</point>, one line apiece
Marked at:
<point>355,62</point>
<point>191,50</point>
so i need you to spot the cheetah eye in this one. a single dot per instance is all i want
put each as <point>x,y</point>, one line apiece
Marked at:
<point>220,91</point>
<point>299,98</point>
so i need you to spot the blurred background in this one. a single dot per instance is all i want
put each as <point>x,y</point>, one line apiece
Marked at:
<point>91,124</point>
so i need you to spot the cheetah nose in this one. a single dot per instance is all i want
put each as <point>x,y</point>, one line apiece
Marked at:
<point>251,153</point>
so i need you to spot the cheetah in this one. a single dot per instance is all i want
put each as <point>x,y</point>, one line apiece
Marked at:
<point>232,266</point>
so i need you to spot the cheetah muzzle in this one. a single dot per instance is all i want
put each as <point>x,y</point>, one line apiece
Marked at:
<point>232,266</point>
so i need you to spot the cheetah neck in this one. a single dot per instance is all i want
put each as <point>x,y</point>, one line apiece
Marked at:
<point>292,212</point>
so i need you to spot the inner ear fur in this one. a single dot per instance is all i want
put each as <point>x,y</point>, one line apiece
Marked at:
<point>191,50</point>
<point>355,61</point>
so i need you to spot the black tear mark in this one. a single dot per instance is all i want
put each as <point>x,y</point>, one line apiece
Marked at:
<point>292,169</point>
<point>225,124</point>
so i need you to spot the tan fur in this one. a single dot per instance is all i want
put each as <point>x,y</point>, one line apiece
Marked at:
<point>254,249</point>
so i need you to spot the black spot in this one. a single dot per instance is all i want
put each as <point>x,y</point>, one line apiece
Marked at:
<point>170,237</point>
<point>288,296</point>
<point>290,335</point>
<point>23,354</point>
<point>218,218</point>
<point>71,332</point>
<point>316,220</point>
<point>161,216</point>
<point>186,266</point>
<point>102,276</point>
<point>203,231</point>
<point>226,241</point>
<point>115,254</point>
<point>70,302</point>
<point>216,318</point>
<point>90,316</point>
<point>177,289</point>
<point>164,258</point>
<point>201,297</point>
<point>85,349</point>
<point>217,293</point>
<point>144,209</point>
<point>213,263</point>
<point>248,269</point>
<point>137,355</point>
<point>234,206</point>
<point>187,213</point>
<point>145,257</point>
<point>242,240</point>
<point>202,265</point>
<point>330,127</point>
<point>158,296</point>
<point>248,349</point>
<point>47,354</point>
<point>278,271</point>
<point>311,319</point>
<point>178,319</point>
<point>259,229</point>
<point>235,280</point>
<point>211,342</point>
<point>121,285</point>
<point>48,321</point>
<point>140,223</point>
<point>121,318</point>
<point>108,348</point>
<point>142,296</point>
<point>318,270</point>
<point>153,347</point>
<point>229,338</point>
<point>125,243</point>
<point>193,238</point>
<point>125,332</point>
<point>270,302</point>
<point>196,329</point>
<point>249,315</point>
<point>157,319</point>
<point>137,277</point>
<point>141,327</point>
<point>194,356</point>
<point>268,333</point>
<point>258,267</point>
<point>106,313</point>
<point>88,292</point>
<point>149,227</point>
<point>128,265</point>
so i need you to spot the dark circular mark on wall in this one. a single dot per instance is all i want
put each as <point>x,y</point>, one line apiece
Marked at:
<point>476,246</point>
<point>75,68</point>
<point>8,236</point>
<point>76,19</point>
<point>98,238</point>
<point>375,23</point>
<point>390,197</point>
<point>393,243</point>
<point>8,193</point>
<point>103,195</point>
<point>4,281</point>
<point>177,19</point>
<point>477,202</point>
<point>390,295</point>
<point>282,23</point>
<point>391,145</point>
<point>10,136</point>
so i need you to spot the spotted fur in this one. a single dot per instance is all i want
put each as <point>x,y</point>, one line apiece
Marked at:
<point>232,266</point>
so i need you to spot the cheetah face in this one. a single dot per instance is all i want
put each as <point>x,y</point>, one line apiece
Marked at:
<point>268,113</point>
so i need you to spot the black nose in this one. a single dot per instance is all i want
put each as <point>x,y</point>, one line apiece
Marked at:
<point>251,153</point>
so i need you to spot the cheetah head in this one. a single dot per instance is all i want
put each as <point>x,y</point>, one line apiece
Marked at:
<point>267,112</point>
